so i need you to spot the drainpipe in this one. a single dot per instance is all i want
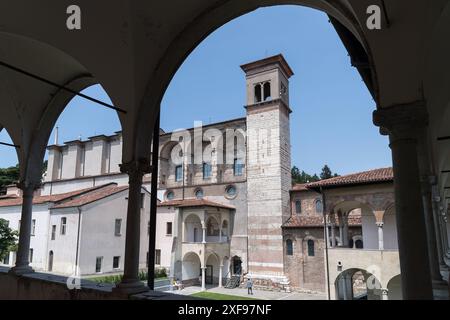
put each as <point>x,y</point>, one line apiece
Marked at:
<point>326,242</point>
<point>78,242</point>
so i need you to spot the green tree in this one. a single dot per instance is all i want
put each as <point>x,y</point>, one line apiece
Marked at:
<point>8,239</point>
<point>326,173</point>
<point>8,176</point>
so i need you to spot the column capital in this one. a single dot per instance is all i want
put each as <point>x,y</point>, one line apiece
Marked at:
<point>28,185</point>
<point>402,121</point>
<point>380,224</point>
<point>136,168</point>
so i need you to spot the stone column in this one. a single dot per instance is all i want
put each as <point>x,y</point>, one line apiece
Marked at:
<point>130,282</point>
<point>22,257</point>
<point>436,220</point>
<point>203,279</point>
<point>204,233</point>
<point>327,233</point>
<point>402,122</point>
<point>220,275</point>
<point>333,236</point>
<point>345,222</point>
<point>384,294</point>
<point>425,179</point>
<point>380,236</point>
<point>341,230</point>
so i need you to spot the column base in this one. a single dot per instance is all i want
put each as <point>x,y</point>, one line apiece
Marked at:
<point>132,287</point>
<point>21,270</point>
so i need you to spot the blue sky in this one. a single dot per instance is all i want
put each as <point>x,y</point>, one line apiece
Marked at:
<point>332,109</point>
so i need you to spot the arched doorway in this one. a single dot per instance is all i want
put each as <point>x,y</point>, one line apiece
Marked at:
<point>236,266</point>
<point>212,269</point>
<point>191,269</point>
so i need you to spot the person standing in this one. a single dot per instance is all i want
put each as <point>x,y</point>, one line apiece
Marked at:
<point>250,286</point>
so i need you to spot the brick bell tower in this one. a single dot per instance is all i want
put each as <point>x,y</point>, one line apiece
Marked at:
<point>268,164</point>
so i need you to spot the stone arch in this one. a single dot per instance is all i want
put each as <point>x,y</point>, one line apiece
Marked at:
<point>66,71</point>
<point>206,23</point>
<point>212,264</point>
<point>394,288</point>
<point>191,265</point>
<point>193,228</point>
<point>357,284</point>
<point>212,227</point>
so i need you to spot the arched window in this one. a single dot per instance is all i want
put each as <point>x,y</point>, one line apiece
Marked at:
<point>319,206</point>
<point>311,252</point>
<point>267,93</point>
<point>212,228</point>
<point>258,93</point>
<point>289,247</point>
<point>298,207</point>
<point>359,244</point>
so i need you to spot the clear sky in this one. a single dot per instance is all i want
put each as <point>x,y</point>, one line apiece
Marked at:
<point>332,109</point>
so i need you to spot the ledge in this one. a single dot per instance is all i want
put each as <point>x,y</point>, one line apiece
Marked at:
<point>43,286</point>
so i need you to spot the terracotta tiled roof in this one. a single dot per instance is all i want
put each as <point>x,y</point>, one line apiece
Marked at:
<point>372,176</point>
<point>90,197</point>
<point>194,203</point>
<point>304,221</point>
<point>296,221</point>
<point>300,187</point>
<point>59,198</point>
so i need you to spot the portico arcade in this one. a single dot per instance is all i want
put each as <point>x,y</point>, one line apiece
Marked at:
<point>408,76</point>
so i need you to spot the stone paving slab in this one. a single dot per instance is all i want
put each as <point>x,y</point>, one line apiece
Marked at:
<point>257,294</point>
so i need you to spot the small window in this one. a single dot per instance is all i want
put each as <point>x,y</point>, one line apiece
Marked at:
<point>116,262</point>
<point>298,207</point>
<point>53,232</point>
<point>231,191</point>
<point>267,92</point>
<point>289,247</point>
<point>33,227</point>
<point>98,264</point>
<point>199,194</point>
<point>311,251</point>
<point>63,226</point>
<point>169,228</point>
<point>258,93</point>
<point>157,256</point>
<point>170,195</point>
<point>319,207</point>
<point>238,167</point>
<point>207,170</point>
<point>30,258</point>
<point>178,173</point>
<point>118,227</point>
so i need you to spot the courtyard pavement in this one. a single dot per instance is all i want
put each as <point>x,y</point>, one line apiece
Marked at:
<point>257,294</point>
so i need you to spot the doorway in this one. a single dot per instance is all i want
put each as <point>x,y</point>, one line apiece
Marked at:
<point>209,274</point>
